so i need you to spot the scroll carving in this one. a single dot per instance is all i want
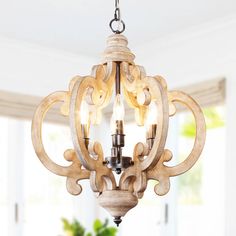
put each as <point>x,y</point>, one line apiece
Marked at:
<point>87,158</point>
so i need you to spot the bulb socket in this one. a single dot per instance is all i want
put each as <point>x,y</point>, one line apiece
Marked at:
<point>85,132</point>
<point>150,135</point>
<point>150,142</point>
<point>118,164</point>
<point>119,127</point>
<point>151,131</point>
<point>86,142</point>
<point>118,140</point>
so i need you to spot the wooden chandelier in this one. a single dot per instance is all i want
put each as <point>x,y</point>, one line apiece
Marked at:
<point>83,103</point>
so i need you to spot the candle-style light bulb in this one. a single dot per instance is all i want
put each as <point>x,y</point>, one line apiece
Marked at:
<point>85,121</point>
<point>118,108</point>
<point>151,123</point>
<point>152,114</point>
<point>84,113</point>
<point>117,118</point>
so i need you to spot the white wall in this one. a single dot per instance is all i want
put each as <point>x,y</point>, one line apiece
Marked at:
<point>31,69</point>
<point>200,53</point>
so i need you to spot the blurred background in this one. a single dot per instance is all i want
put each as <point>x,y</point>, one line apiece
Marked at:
<point>192,44</point>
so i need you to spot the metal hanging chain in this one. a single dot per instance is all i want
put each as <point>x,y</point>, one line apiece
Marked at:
<point>117,19</point>
<point>117,3</point>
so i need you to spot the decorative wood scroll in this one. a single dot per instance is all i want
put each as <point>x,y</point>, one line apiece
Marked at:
<point>148,163</point>
<point>74,172</point>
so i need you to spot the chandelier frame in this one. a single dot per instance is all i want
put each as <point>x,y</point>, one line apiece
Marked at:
<point>87,158</point>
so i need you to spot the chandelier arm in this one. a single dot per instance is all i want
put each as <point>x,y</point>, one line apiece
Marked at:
<point>132,78</point>
<point>101,85</point>
<point>79,174</point>
<point>97,91</point>
<point>105,74</point>
<point>133,173</point>
<point>102,180</point>
<point>191,104</point>
<point>161,172</point>
<point>72,172</point>
<point>99,94</point>
<point>101,176</point>
<point>36,132</point>
<point>77,95</point>
<point>133,180</point>
<point>107,82</point>
<point>136,174</point>
<point>159,93</point>
<point>109,71</point>
<point>133,85</point>
<point>132,73</point>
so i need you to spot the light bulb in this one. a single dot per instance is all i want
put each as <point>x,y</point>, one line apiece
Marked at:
<point>152,114</point>
<point>118,108</point>
<point>151,124</point>
<point>84,113</point>
<point>113,125</point>
<point>117,118</point>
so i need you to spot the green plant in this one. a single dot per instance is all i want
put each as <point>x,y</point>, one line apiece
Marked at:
<point>102,229</point>
<point>75,228</point>
<point>190,185</point>
<point>214,119</point>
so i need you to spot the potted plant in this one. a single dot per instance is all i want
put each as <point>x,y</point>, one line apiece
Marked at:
<point>75,228</point>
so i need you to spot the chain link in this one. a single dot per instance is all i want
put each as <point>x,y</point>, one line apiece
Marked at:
<point>117,3</point>
<point>117,18</point>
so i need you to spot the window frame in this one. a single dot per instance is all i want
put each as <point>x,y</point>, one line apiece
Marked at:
<point>22,107</point>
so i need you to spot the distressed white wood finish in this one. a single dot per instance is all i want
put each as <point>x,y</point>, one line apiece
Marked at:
<point>139,90</point>
<point>74,172</point>
<point>101,177</point>
<point>117,50</point>
<point>117,202</point>
<point>161,172</point>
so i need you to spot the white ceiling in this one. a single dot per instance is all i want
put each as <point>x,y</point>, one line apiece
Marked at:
<point>81,26</point>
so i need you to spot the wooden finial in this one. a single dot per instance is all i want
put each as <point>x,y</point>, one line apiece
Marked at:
<point>117,50</point>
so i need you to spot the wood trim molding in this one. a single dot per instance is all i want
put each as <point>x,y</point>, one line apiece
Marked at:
<point>207,93</point>
<point>22,106</point>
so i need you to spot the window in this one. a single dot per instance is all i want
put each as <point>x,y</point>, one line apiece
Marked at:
<point>31,196</point>
<point>149,210</point>
<point>45,196</point>
<point>195,203</point>
<point>4,183</point>
<point>200,198</point>
<point>33,200</point>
